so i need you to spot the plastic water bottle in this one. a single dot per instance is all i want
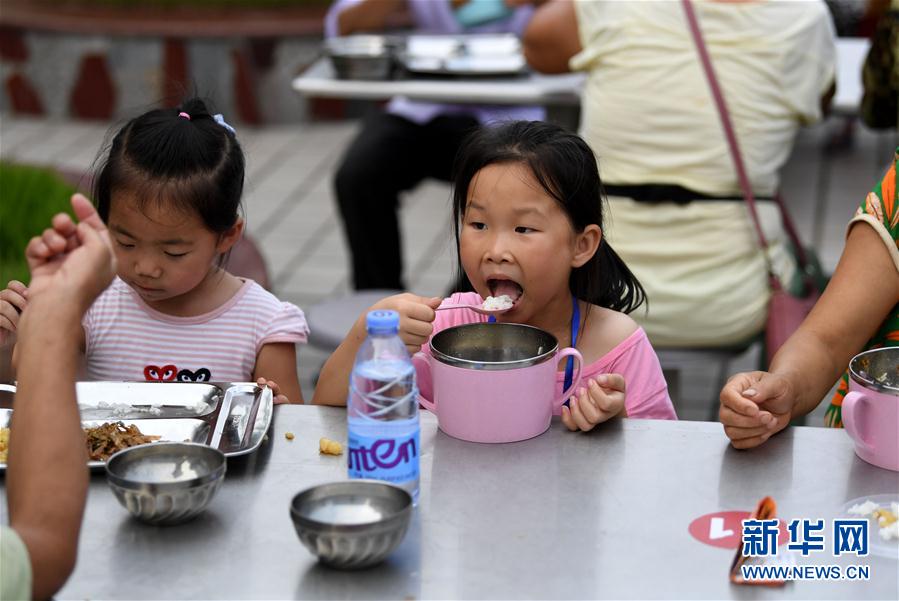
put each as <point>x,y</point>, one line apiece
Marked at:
<point>382,408</point>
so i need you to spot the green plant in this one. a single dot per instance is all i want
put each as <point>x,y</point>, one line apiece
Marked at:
<point>29,197</point>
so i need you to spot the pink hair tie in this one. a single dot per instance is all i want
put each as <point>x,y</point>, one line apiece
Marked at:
<point>184,115</point>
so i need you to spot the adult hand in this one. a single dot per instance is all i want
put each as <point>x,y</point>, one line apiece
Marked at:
<point>74,260</point>
<point>755,405</point>
<point>13,300</point>
<point>601,400</point>
<point>416,317</point>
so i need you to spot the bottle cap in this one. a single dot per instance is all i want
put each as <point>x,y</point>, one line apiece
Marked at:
<point>382,322</point>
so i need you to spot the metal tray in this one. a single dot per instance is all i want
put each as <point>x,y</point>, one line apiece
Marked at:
<point>463,55</point>
<point>234,417</point>
<point>140,400</point>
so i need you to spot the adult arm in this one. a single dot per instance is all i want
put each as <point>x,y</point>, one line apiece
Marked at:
<point>47,473</point>
<point>367,15</point>
<point>552,37</point>
<point>47,476</point>
<point>863,290</point>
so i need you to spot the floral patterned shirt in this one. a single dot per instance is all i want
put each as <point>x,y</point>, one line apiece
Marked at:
<point>880,209</point>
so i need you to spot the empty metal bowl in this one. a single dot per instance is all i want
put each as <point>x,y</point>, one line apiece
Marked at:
<point>361,56</point>
<point>166,483</point>
<point>353,524</point>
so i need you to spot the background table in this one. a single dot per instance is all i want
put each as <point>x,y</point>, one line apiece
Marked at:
<point>559,93</point>
<point>563,515</point>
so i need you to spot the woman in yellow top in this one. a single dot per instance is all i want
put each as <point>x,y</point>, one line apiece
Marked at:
<point>859,310</point>
<point>677,214</point>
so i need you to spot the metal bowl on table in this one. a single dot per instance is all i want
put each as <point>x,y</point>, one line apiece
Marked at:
<point>353,524</point>
<point>166,483</point>
<point>362,56</point>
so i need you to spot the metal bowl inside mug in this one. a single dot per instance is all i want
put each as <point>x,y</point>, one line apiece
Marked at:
<point>877,369</point>
<point>493,346</point>
<point>352,524</point>
<point>166,483</point>
<point>370,57</point>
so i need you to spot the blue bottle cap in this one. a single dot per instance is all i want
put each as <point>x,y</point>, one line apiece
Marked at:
<point>382,322</point>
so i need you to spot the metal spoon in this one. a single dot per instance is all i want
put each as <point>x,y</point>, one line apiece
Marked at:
<point>476,308</point>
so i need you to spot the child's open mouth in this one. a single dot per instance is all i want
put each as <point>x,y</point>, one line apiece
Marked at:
<point>503,286</point>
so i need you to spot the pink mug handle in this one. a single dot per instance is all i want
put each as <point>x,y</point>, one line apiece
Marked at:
<point>429,405</point>
<point>575,381</point>
<point>852,407</point>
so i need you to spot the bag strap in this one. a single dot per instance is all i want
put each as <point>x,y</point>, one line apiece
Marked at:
<point>737,157</point>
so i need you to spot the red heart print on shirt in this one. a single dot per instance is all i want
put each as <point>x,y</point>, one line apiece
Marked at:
<point>154,373</point>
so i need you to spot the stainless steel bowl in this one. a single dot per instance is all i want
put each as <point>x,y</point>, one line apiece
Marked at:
<point>166,483</point>
<point>353,524</point>
<point>369,57</point>
<point>877,369</point>
<point>493,346</point>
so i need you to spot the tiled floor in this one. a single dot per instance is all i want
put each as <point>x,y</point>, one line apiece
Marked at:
<point>290,209</point>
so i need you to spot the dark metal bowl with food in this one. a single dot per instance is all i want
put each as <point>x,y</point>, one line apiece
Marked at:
<point>370,57</point>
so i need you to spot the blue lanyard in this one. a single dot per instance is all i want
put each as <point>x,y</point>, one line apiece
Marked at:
<point>575,328</point>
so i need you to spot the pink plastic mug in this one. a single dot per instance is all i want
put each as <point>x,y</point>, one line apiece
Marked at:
<point>496,382</point>
<point>871,408</point>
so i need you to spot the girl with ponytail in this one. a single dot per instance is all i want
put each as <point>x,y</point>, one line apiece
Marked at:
<point>169,191</point>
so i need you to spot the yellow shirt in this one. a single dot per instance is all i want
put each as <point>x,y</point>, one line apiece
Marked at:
<point>647,110</point>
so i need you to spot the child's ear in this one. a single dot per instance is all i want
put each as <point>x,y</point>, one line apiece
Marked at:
<point>230,237</point>
<point>585,245</point>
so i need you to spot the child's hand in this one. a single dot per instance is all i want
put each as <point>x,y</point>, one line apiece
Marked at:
<point>416,317</point>
<point>279,399</point>
<point>755,405</point>
<point>13,300</point>
<point>601,400</point>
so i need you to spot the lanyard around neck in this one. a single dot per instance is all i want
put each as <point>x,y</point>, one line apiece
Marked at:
<point>575,328</point>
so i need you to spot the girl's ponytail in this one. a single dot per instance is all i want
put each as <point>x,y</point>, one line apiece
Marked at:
<point>183,157</point>
<point>606,281</point>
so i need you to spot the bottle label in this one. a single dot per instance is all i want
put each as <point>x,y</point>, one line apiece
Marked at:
<point>393,460</point>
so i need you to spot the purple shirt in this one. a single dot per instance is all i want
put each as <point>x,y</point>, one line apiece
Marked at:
<point>436,17</point>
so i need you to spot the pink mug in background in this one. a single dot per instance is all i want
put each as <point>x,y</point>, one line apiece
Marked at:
<point>495,382</point>
<point>871,408</point>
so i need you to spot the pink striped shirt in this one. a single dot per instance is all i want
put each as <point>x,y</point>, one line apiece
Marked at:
<point>126,339</point>
<point>634,358</point>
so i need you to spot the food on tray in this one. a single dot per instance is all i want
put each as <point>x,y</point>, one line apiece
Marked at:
<point>326,446</point>
<point>4,443</point>
<point>288,435</point>
<point>497,303</point>
<point>887,519</point>
<point>106,440</point>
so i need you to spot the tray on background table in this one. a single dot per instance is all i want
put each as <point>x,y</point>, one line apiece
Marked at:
<point>234,416</point>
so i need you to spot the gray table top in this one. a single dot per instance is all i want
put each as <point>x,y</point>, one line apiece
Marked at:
<point>564,515</point>
<point>534,88</point>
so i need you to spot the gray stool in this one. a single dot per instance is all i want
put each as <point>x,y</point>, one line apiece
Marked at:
<point>715,361</point>
<point>330,320</point>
